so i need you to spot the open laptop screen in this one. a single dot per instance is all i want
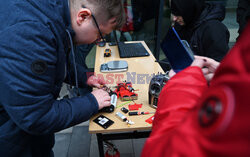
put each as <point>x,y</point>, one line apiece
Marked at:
<point>127,50</point>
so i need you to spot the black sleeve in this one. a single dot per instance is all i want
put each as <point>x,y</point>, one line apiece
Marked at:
<point>215,38</point>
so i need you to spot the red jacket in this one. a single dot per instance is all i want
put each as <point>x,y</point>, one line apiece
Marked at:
<point>128,26</point>
<point>195,120</point>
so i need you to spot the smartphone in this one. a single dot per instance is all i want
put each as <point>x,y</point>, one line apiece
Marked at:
<point>114,66</point>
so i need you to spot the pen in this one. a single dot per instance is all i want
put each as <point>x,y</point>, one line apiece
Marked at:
<point>139,113</point>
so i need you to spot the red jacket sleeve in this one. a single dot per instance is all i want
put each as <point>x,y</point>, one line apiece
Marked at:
<point>192,121</point>
<point>177,98</point>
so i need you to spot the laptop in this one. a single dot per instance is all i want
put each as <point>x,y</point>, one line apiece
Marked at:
<point>128,50</point>
<point>177,51</point>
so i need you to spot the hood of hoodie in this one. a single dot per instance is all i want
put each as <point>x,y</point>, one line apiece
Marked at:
<point>212,11</point>
<point>190,10</point>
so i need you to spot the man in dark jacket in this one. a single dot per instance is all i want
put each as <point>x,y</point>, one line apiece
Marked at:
<point>37,38</point>
<point>200,24</point>
<point>243,14</point>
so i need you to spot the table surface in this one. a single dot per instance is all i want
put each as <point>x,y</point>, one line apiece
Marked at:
<point>140,72</point>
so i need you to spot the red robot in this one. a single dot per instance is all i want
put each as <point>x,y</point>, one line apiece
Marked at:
<point>125,91</point>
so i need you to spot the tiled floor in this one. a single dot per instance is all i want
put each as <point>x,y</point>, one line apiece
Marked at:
<point>127,148</point>
<point>77,142</point>
<point>73,142</point>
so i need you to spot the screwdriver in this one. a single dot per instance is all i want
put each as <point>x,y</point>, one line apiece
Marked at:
<point>139,113</point>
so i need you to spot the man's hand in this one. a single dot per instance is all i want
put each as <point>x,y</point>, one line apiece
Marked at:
<point>102,98</point>
<point>94,81</point>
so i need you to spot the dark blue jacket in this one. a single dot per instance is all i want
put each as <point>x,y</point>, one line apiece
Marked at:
<point>33,50</point>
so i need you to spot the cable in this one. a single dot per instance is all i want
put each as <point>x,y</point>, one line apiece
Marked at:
<point>74,61</point>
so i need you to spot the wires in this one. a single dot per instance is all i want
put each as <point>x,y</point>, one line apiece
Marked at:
<point>74,61</point>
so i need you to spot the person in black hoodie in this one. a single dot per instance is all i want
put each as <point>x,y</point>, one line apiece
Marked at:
<point>200,24</point>
<point>243,14</point>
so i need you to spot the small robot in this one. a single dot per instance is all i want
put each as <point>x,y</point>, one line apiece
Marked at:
<point>125,91</point>
<point>107,53</point>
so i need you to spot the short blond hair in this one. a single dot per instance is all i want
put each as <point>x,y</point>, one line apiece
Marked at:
<point>103,10</point>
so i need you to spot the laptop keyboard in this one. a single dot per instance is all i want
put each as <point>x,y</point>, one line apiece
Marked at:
<point>127,50</point>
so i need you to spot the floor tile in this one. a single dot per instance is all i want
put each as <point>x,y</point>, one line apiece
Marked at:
<point>124,146</point>
<point>94,152</point>
<point>127,155</point>
<point>62,142</point>
<point>138,146</point>
<point>80,142</point>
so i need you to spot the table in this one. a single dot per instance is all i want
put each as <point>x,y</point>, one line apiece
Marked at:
<point>140,71</point>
